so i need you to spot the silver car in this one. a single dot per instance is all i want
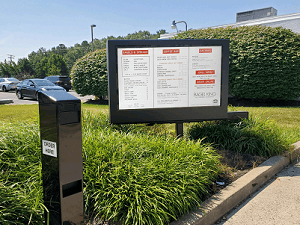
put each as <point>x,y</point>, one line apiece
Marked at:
<point>7,84</point>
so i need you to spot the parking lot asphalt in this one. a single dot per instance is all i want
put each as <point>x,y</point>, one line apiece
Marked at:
<point>11,95</point>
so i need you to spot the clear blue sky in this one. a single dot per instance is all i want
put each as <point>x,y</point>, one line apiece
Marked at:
<point>26,26</point>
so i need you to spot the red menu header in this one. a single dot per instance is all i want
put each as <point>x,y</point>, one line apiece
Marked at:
<point>205,50</point>
<point>212,81</point>
<point>205,72</point>
<point>135,52</point>
<point>171,51</point>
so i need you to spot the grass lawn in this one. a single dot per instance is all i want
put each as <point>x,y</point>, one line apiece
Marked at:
<point>96,108</point>
<point>12,113</point>
<point>286,118</point>
<point>27,113</point>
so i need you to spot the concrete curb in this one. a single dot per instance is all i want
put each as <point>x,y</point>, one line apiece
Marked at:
<point>221,203</point>
<point>5,101</point>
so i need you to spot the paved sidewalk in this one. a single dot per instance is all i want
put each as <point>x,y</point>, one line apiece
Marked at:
<point>278,202</point>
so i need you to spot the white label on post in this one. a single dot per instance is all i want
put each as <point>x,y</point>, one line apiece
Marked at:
<point>49,148</point>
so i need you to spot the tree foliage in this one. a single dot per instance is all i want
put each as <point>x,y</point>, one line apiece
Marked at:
<point>56,65</point>
<point>264,61</point>
<point>25,69</point>
<point>59,60</point>
<point>20,70</point>
<point>89,74</point>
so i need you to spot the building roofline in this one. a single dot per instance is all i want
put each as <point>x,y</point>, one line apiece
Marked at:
<point>257,10</point>
<point>262,21</point>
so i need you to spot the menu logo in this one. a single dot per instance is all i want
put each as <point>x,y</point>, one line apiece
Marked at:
<point>204,94</point>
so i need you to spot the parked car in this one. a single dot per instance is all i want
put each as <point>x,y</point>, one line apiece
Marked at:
<point>31,87</point>
<point>7,84</point>
<point>63,81</point>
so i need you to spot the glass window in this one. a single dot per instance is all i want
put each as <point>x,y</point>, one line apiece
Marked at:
<point>53,79</point>
<point>43,82</point>
<point>24,82</point>
<point>12,79</point>
<point>64,79</point>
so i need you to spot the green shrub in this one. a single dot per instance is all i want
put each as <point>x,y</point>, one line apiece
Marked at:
<point>264,61</point>
<point>254,136</point>
<point>89,74</point>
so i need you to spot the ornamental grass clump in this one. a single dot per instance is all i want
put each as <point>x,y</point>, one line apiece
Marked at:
<point>131,174</point>
<point>255,136</point>
<point>20,181</point>
<point>138,178</point>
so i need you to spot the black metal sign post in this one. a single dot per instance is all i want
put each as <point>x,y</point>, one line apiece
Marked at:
<point>179,130</point>
<point>62,170</point>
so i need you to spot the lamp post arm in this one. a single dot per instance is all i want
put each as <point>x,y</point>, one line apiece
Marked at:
<point>185,24</point>
<point>92,39</point>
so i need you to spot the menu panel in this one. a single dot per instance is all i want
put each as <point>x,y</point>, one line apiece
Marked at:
<point>169,77</point>
<point>205,76</point>
<point>135,78</point>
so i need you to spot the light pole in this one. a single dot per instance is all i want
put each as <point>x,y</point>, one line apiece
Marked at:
<point>173,25</point>
<point>93,25</point>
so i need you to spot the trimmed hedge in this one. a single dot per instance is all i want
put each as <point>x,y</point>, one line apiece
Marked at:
<point>264,61</point>
<point>89,74</point>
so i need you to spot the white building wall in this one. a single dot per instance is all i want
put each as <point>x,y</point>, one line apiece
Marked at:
<point>289,21</point>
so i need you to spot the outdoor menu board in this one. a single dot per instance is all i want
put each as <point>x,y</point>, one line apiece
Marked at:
<point>167,80</point>
<point>168,77</point>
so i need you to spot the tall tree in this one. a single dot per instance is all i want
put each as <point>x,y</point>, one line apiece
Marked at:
<point>8,69</point>
<point>73,54</point>
<point>25,69</point>
<point>25,66</point>
<point>61,49</point>
<point>56,65</point>
<point>39,59</point>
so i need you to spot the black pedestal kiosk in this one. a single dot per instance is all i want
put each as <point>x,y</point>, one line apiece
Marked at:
<point>62,170</point>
